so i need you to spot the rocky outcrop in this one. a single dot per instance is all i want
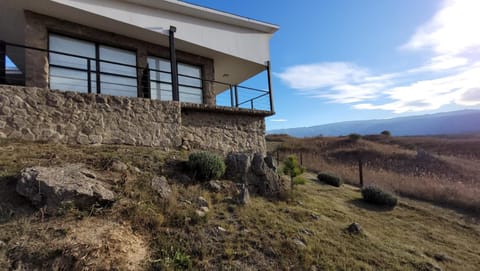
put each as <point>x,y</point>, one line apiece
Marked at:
<point>257,172</point>
<point>161,186</point>
<point>52,187</point>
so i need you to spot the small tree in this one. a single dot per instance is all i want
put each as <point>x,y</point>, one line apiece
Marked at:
<point>386,133</point>
<point>292,168</point>
<point>354,137</point>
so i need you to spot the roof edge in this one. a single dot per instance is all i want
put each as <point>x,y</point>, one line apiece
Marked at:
<point>207,13</point>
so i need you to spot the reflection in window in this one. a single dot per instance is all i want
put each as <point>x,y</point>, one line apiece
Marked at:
<point>71,72</point>
<point>189,81</point>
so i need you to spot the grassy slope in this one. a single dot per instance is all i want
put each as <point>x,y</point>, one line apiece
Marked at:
<point>262,235</point>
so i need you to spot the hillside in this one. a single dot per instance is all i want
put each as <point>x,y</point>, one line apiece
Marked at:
<point>139,231</point>
<point>456,122</point>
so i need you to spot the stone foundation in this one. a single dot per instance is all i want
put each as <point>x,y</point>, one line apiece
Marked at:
<point>37,114</point>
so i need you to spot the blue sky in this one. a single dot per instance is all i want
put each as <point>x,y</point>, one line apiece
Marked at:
<point>343,60</point>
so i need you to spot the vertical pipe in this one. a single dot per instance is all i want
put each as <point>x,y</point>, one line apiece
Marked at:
<point>173,64</point>
<point>236,95</point>
<point>232,102</point>
<point>270,88</point>
<point>3,53</point>
<point>89,76</point>
<point>97,68</point>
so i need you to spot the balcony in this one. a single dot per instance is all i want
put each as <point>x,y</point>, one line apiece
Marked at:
<point>93,74</point>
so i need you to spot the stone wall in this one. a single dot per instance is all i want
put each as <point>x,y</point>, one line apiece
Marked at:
<point>36,114</point>
<point>222,129</point>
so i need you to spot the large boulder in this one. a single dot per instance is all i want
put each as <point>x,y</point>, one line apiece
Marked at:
<point>52,187</point>
<point>161,186</point>
<point>257,172</point>
<point>237,166</point>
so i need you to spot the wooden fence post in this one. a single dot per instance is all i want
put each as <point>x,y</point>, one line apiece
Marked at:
<point>360,171</point>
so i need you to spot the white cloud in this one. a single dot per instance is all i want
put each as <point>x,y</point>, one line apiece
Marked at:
<point>314,76</point>
<point>451,75</point>
<point>453,29</point>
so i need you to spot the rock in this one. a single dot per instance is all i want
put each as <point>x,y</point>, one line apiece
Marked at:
<point>161,186</point>
<point>244,196</point>
<point>204,209</point>
<point>202,202</point>
<point>270,161</point>
<point>299,243</point>
<point>2,244</point>
<point>214,186</point>
<point>354,228</point>
<point>51,187</point>
<point>200,213</point>
<point>118,166</point>
<point>237,166</point>
<point>257,172</point>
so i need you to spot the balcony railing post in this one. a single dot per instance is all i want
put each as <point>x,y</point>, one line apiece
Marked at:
<point>3,53</point>
<point>89,76</point>
<point>97,68</point>
<point>270,88</point>
<point>236,95</point>
<point>232,102</point>
<point>173,64</point>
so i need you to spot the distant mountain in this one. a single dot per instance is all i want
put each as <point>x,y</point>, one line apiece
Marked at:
<point>455,122</point>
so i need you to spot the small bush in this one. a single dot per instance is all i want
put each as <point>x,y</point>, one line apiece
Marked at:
<point>330,179</point>
<point>206,166</point>
<point>354,137</point>
<point>375,195</point>
<point>386,133</point>
<point>299,180</point>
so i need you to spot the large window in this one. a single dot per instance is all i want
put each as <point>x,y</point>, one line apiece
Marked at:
<point>189,81</point>
<point>78,70</point>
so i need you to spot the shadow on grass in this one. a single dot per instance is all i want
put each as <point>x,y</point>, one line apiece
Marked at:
<point>12,205</point>
<point>368,206</point>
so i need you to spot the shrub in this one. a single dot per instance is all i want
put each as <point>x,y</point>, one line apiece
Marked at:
<point>386,133</point>
<point>299,180</point>
<point>375,195</point>
<point>206,166</point>
<point>330,179</point>
<point>292,168</point>
<point>354,137</point>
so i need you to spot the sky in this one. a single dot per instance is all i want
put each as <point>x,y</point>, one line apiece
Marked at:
<point>341,60</point>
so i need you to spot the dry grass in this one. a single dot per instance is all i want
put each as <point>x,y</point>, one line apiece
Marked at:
<point>450,177</point>
<point>145,233</point>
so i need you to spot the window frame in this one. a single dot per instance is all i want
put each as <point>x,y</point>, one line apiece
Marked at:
<point>96,62</point>
<point>188,63</point>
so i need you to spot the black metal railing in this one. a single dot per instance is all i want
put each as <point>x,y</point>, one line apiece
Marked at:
<point>139,83</point>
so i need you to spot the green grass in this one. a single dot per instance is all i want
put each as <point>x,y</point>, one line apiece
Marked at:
<point>263,235</point>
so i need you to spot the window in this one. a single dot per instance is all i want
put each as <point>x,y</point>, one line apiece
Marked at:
<point>69,72</point>
<point>77,71</point>
<point>189,81</point>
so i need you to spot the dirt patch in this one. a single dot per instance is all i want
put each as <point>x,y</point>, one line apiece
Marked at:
<point>89,244</point>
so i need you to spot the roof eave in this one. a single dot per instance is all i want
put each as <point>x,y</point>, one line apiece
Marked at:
<point>208,13</point>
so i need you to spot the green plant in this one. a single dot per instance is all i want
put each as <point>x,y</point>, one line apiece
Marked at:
<point>354,137</point>
<point>182,261</point>
<point>292,168</point>
<point>386,133</point>
<point>206,166</point>
<point>330,179</point>
<point>299,180</point>
<point>375,195</point>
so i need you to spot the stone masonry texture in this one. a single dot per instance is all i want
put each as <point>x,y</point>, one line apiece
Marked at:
<point>38,114</point>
